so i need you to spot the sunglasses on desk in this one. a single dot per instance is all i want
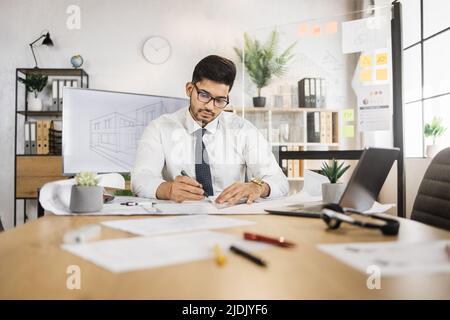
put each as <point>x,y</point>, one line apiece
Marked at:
<point>334,215</point>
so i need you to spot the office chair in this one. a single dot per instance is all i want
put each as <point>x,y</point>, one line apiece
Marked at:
<point>432,204</point>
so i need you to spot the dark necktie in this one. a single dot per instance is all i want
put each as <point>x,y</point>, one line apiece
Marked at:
<point>202,169</point>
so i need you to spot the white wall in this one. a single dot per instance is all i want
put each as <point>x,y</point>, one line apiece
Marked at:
<point>110,40</point>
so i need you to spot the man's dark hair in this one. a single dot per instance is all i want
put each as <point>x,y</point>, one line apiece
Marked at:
<point>215,68</point>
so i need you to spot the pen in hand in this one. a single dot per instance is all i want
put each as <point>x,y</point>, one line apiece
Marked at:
<point>184,174</point>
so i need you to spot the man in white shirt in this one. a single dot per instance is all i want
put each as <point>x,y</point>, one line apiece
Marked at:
<point>203,151</point>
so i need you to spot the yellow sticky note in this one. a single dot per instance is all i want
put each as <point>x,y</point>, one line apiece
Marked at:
<point>365,60</point>
<point>381,74</point>
<point>348,115</point>
<point>381,58</point>
<point>349,131</point>
<point>365,75</point>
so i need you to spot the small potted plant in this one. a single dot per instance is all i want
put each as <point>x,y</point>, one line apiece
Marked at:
<point>34,84</point>
<point>433,130</point>
<point>86,195</point>
<point>262,62</point>
<point>332,191</point>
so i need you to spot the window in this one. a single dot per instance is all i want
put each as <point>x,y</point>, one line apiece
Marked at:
<point>426,67</point>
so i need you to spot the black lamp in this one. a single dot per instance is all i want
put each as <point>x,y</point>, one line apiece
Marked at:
<point>46,42</point>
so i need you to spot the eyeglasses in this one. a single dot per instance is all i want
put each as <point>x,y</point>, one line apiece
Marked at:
<point>333,215</point>
<point>205,97</point>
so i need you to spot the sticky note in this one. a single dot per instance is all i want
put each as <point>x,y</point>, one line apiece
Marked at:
<point>316,31</point>
<point>381,74</point>
<point>348,115</point>
<point>349,131</point>
<point>365,60</point>
<point>303,29</point>
<point>331,27</point>
<point>381,58</point>
<point>365,75</point>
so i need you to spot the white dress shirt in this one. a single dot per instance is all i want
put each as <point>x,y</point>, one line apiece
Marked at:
<point>237,151</point>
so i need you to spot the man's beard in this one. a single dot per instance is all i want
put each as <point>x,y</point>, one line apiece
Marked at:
<point>198,118</point>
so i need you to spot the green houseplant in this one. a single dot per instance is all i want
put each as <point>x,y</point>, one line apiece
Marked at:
<point>332,191</point>
<point>262,62</point>
<point>86,195</point>
<point>34,84</point>
<point>433,130</point>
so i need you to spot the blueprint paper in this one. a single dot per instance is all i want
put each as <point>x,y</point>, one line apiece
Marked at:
<point>102,129</point>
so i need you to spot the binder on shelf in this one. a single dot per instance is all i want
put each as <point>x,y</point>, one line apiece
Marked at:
<point>60,94</point>
<point>39,140</point>
<point>318,93</point>
<point>45,138</point>
<point>290,164</point>
<point>313,127</point>
<point>284,162</point>
<point>304,98</point>
<point>27,147</point>
<point>75,83</point>
<point>55,137</point>
<point>54,106</point>
<point>301,166</point>
<point>312,93</point>
<point>33,143</point>
<point>323,100</point>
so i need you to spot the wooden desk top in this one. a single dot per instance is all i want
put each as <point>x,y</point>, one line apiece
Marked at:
<point>32,265</point>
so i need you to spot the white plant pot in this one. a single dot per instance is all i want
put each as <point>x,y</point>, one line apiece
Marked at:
<point>432,150</point>
<point>34,104</point>
<point>332,192</point>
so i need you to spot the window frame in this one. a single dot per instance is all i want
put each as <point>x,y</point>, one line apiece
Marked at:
<point>422,100</point>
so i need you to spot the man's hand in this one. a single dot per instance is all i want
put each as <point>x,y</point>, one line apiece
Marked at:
<point>183,188</point>
<point>239,190</point>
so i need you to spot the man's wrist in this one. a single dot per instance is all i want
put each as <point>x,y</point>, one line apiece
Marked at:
<point>263,186</point>
<point>164,190</point>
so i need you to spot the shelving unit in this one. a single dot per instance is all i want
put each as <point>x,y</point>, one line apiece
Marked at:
<point>295,132</point>
<point>32,171</point>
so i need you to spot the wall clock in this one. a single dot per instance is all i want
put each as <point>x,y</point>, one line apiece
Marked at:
<point>156,50</point>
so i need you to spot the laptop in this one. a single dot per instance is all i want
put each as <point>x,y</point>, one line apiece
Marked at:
<point>362,189</point>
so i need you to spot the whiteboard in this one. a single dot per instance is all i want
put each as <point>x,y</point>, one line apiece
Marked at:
<point>101,129</point>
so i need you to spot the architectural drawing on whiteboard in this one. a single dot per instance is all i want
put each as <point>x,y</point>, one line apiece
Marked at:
<point>115,136</point>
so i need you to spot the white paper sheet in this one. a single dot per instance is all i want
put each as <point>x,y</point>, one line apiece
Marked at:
<point>364,34</point>
<point>55,198</point>
<point>157,226</point>
<point>123,255</point>
<point>206,207</point>
<point>393,258</point>
<point>313,183</point>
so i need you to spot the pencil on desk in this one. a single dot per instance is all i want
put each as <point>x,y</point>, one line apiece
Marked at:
<point>220,258</point>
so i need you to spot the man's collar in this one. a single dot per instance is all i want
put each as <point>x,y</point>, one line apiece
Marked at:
<point>192,125</point>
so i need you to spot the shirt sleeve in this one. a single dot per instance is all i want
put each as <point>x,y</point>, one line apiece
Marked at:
<point>146,175</point>
<point>261,162</point>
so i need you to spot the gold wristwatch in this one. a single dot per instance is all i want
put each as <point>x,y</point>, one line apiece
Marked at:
<point>257,181</point>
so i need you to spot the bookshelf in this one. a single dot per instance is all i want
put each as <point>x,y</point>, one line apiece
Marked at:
<point>288,129</point>
<point>32,171</point>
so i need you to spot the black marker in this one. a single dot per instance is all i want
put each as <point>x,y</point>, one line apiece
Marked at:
<point>248,256</point>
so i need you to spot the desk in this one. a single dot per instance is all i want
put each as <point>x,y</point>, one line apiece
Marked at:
<point>32,265</point>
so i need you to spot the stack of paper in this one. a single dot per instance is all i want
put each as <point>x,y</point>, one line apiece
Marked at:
<point>155,226</point>
<point>131,254</point>
<point>393,258</point>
